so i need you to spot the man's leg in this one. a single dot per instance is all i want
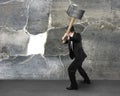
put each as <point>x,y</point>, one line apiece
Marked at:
<point>83,73</point>
<point>71,72</point>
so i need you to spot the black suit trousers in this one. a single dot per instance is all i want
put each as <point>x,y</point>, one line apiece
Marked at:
<point>74,66</point>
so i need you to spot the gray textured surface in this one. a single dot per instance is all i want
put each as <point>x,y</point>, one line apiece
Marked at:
<point>32,67</point>
<point>58,13</point>
<point>57,88</point>
<point>13,42</point>
<point>38,16</point>
<point>13,14</point>
<point>100,29</point>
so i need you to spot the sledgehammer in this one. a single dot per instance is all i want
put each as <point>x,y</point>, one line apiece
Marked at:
<point>75,13</point>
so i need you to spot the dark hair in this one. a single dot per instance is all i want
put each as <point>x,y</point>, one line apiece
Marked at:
<point>71,29</point>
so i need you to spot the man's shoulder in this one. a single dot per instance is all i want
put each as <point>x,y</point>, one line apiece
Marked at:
<point>77,34</point>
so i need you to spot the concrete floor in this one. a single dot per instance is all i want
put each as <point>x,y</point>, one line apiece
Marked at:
<point>58,88</point>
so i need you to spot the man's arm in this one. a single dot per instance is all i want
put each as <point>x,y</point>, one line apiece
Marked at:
<point>65,38</point>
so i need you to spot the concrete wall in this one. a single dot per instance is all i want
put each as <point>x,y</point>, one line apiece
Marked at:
<point>21,19</point>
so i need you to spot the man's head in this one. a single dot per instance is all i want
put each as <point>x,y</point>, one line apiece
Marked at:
<point>71,29</point>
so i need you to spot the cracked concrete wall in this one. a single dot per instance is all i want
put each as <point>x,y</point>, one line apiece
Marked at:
<point>21,19</point>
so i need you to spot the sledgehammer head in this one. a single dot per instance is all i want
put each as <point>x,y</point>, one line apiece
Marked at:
<point>74,11</point>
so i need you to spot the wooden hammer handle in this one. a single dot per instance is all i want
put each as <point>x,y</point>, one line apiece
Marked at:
<point>70,24</point>
<point>68,29</point>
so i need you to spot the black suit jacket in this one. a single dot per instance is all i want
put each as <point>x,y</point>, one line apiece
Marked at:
<point>77,52</point>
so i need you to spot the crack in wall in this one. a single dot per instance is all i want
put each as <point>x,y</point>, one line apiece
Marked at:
<point>41,38</point>
<point>6,2</point>
<point>36,44</point>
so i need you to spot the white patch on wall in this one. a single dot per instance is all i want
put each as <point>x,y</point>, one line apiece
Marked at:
<point>36,44</point>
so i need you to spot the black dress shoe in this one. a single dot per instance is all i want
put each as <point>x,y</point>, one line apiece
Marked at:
<point>72,88</point>
<point>86,82</point>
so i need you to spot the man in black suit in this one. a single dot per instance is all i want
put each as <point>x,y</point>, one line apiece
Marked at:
<point>77,53</point>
